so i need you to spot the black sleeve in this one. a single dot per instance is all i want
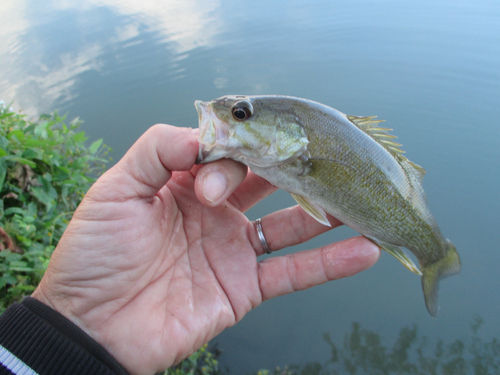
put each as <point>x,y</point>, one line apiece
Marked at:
<point>34,336</point>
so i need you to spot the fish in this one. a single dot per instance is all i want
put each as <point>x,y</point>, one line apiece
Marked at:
<point>331,163</point>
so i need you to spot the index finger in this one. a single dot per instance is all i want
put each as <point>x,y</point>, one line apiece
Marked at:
<point>217,180</point>
<point>251,191</point>
<point>226,179</point>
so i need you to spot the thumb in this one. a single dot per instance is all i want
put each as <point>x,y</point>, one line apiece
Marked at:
<point>148,164</point>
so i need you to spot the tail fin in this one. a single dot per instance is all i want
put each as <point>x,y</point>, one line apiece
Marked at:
<point>432,273</point>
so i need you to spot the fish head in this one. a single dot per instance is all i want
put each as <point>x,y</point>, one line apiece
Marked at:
<point>256,131</point>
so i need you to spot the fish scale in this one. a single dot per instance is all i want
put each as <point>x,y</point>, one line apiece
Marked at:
<point>346,166</point>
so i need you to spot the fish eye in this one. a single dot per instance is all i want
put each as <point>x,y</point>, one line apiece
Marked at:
<point>241,111</point>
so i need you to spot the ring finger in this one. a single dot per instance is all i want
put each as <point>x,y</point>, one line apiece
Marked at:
<point>287,227</point>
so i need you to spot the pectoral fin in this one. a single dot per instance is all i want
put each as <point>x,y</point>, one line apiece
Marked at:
<point>398,253</point>
<point>312,209</point>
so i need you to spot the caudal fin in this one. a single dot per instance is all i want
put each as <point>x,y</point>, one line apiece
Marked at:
<point>431,274</point>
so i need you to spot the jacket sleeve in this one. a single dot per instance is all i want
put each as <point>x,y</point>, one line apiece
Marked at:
<point>35,339</point>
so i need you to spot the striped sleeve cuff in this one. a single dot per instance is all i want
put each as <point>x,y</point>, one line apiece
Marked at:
<point>13,364</point>
<point>36,338</point>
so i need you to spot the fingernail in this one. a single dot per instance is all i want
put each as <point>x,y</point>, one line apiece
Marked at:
<point>214,186</point>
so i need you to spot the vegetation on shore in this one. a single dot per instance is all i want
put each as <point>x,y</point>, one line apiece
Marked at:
<point>45,170</point>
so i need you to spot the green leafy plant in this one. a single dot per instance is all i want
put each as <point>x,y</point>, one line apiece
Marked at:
<point>202,362</point>
<point>45,170</point>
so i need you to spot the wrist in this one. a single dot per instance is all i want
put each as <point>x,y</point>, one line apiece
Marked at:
<point>44,298</point>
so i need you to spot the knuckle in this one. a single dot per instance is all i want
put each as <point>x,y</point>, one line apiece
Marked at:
<point>291,269</point>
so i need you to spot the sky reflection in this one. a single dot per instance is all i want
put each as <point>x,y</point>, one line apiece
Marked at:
<point>49,45</point>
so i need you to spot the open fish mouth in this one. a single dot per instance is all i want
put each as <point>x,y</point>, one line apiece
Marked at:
<point>213,134</point>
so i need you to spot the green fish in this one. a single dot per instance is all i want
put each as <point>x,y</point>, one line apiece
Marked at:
<point>346,166</point>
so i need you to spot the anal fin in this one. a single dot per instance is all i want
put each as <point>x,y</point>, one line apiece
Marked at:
<point>398,253</point>
<point>312,209</point>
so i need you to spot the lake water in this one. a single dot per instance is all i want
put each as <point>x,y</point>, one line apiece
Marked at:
<point>430,68</point>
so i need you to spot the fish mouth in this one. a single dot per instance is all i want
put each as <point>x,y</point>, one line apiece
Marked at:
<point>213,134</point>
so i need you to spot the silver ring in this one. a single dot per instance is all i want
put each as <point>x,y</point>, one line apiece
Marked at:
<point>263,242</point>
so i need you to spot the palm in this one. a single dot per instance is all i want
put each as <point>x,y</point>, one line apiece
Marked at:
<point>192,266</point>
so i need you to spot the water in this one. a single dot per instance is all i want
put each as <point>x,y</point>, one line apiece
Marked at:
<point>431,69</point>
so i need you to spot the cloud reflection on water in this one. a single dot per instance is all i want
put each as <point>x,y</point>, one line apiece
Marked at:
<point>43,59</point>
<point>185,24</point>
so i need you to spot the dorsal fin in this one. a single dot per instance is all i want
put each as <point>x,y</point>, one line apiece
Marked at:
<point>418,170</point>
<point>380,135</point>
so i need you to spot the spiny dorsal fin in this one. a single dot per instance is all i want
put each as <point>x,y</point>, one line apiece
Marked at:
<point>380,135</point>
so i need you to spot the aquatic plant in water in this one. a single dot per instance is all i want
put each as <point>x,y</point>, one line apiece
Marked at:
<point>363,353</point>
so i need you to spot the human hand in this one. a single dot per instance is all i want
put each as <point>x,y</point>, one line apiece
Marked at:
<point>159,257</point>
